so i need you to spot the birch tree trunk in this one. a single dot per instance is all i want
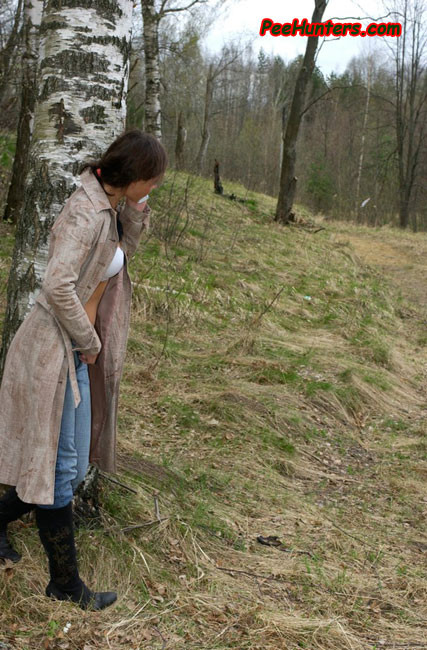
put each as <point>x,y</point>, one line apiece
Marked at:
<point>201,154</point>
<point>287,176</point>
<point>8,53</point>
<point>81,107</point>
<point>151,19</point>
<point>33,10</point>
<point>362,144</point>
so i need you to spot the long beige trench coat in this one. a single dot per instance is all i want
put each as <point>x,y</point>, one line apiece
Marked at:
<point>83,242</point>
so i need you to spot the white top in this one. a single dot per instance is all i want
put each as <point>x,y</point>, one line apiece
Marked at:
<point>116,264</point>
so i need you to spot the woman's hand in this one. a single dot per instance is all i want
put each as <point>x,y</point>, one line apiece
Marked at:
<point>138,206</point>
<point>88,358</point>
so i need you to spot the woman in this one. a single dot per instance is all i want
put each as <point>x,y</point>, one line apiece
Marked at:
<point>59,392</point>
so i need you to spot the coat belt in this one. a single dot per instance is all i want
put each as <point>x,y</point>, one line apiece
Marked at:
<point>41,300</point>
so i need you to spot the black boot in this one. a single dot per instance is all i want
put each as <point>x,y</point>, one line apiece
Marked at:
<point>56,532</point>
<point>11,508</point>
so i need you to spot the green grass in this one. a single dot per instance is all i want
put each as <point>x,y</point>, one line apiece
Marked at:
<point>245,413</point>
<point>7,151</point>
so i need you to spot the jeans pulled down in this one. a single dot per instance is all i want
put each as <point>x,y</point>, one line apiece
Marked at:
<point>74,439</point>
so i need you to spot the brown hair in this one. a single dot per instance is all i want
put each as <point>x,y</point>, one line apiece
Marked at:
<point>133,156</point>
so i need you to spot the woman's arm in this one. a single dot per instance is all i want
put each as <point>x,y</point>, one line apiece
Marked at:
<point>135,219</point>
<point>74,237</point>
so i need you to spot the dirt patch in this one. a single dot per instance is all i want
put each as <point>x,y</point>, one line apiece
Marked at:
<point>405,264</point>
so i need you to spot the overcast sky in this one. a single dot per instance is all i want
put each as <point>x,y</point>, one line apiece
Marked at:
<point>243,18</point>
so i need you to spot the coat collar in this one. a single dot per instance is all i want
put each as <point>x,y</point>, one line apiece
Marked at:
<point>95,192</point>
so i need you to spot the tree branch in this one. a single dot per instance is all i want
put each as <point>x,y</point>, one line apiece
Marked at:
<point>163,11</point>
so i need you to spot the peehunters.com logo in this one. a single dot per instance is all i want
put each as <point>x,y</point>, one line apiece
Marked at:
<point>328,28</point>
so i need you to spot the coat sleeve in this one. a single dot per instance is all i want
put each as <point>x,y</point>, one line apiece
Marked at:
<point>134,223</point>
<point>74,236</point>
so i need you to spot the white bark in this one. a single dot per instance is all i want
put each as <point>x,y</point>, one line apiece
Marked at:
<point>153,120</point>
<point>83,72</point>
<point>363,138</point>
<point>33,14</point>
<point>33,11</point>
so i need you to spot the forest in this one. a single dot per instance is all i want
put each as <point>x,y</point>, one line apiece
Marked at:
<point>362,138</point>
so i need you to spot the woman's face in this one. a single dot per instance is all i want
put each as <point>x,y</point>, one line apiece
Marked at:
<point>138,189</point>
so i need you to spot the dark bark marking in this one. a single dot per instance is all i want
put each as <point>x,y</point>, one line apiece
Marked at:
<point>121,43</point>
<point>74,63</point>
<point>105,8</point>
<point>51,85</point>
<point>95,113</point>
<point>64,123</point>
<point>52,25</point>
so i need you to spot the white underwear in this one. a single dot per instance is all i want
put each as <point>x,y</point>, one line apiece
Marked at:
<point>116,264</point>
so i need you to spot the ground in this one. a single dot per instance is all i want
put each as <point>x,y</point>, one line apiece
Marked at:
<point>275,385</point>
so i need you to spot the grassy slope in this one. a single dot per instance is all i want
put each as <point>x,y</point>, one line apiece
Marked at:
<point>272,387</point>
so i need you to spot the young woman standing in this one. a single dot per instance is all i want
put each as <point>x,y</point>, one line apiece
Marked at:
<point>59,392</point>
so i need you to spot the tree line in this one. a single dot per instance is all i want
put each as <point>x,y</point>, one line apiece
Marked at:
<point>361,151</point>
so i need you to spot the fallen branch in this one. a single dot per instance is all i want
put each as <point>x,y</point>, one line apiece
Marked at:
<point>113,480</point>
<point>134,527</point>
<point>148,523</point>
<point>248,573</point>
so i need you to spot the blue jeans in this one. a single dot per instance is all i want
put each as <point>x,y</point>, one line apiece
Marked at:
<point>74,439</point>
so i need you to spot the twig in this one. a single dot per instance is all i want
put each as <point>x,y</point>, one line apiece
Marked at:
<point>326,464</point>
<point>227,627</point>
<point>156,505</point>
<point>162,637</point>
<point>359,539</point>
<point>292,550</point>
<point>313,231</point>
<point>148,523</point>
<point>113,480</point>
<point>153,366</point>
<point>408,644</point>
<point>126,621</point>
<point>248,573</point>
<point>258,318</point>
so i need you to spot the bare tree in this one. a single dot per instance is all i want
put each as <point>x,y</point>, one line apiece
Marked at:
<point>229,55</point>
<point>290,135</point>
<point>10,36</point>
<point>151,20</point>
<point>409,54</point>
<point>33,10</point>
<point>182,68</point>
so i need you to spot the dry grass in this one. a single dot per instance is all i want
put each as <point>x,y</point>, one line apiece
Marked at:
<point>274,385</point>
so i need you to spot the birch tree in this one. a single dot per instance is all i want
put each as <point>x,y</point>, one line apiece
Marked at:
<point>9,42</point>
<point>363,137</point>
<point>33,10</point>
<point>82,76</point>
<point>152,17</point>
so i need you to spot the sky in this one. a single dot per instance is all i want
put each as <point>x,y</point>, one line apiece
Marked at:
<point>242,18</point>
